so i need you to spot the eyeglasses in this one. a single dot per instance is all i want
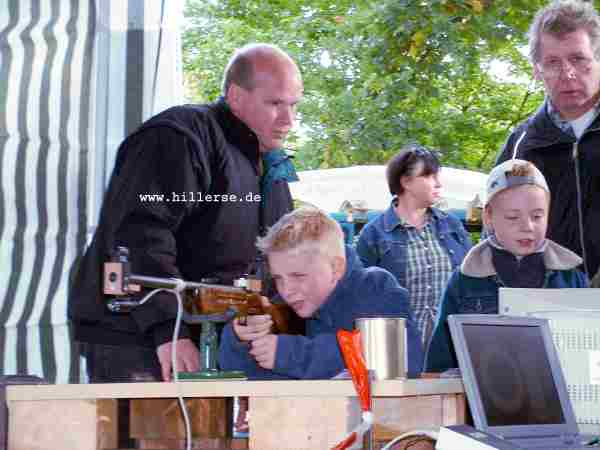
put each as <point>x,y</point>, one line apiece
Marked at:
<point>555,67</point>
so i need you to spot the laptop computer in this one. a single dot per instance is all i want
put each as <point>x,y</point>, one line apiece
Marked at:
<point>513,380</point>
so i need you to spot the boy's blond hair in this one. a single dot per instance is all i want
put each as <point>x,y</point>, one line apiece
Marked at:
<point>304,229</point>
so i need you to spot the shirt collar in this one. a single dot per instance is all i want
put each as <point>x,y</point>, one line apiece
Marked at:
<point>391,219</point>
<point>563,124</point>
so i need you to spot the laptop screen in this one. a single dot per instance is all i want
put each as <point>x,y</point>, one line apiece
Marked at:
<point>512,377</point>
<point>515,380</point>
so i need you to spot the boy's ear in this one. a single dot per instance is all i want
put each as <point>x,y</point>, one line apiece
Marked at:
<point>339,267</point>
<point>487,216</point>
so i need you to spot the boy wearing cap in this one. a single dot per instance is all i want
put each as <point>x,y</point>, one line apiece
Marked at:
<point>516,254</point>
<point>323,282</point>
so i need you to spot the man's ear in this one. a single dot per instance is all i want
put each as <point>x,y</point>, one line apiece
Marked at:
<point>339,267</point>
<point>234,96</point>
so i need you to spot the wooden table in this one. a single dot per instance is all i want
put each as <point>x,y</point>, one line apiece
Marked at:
<point>284,415</point>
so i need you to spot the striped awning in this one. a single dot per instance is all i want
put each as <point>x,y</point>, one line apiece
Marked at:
<point>76,76</point>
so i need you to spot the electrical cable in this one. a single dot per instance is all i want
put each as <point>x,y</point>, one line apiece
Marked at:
<point>179,287</point>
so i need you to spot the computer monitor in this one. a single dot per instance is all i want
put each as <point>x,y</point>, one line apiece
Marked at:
<point>512,376</point>
<point>574,318</point>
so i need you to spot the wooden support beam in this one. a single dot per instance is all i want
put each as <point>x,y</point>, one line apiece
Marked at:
<point>64,425</point>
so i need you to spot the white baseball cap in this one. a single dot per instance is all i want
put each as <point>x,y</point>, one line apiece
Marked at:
<point>511,173</point>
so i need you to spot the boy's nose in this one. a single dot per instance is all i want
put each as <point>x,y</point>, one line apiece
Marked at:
<point>527,223</point>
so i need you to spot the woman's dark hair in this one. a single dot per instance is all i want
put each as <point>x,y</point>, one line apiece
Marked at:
<point>411,160</point>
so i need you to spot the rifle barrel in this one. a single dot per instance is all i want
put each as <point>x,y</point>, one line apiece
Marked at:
<point>172,283</point>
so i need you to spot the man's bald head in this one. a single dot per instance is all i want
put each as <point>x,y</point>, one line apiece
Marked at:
<point>252,58</point>
<point>262,88</point>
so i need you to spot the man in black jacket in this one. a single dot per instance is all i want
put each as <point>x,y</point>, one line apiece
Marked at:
<point>191,190</point>
<point>563,137</point>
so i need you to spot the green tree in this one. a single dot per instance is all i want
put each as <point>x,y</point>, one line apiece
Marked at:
<point>380,74</point>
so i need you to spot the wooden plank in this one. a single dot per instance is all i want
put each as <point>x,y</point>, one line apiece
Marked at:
<point>295,388</point>
<point>454,409</point>
<point>64,425</point>
<point>394,416</point>
<point>300,423</point>
<point>197,444</point>
<point>107,424</point>
<point>162,418</point>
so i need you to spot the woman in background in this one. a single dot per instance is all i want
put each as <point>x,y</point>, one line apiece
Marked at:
<point>420,244</point>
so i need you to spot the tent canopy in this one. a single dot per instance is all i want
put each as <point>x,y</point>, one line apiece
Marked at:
<point>328,189</point>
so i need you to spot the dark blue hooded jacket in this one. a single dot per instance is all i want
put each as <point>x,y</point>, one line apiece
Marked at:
<point>316,355</point>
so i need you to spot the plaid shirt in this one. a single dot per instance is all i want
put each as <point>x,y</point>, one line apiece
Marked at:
<point>428,269</point>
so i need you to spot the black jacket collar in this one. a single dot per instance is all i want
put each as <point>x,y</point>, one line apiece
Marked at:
<point>238,135</point>
<point>542,132</point>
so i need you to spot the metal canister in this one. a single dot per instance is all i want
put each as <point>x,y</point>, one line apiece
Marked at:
<point>384,346</point>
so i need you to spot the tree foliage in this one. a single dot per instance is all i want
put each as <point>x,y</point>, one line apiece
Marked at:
<point>379,74</point>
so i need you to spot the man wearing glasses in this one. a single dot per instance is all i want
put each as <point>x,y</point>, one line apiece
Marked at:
<point>563,137</point>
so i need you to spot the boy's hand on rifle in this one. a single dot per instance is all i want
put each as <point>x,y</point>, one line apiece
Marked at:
<point>263,350</point>
<point>255,328</point>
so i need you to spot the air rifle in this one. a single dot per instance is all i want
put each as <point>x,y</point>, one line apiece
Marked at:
<point>203,303</point>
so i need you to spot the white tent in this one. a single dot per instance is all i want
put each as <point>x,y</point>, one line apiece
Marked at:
<point>76,77</point>
<point>329,188</point>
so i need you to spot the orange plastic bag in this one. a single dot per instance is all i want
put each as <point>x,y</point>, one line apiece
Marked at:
<point>351,348</point>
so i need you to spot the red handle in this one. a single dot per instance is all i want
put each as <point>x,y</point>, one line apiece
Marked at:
<point>353,357</point>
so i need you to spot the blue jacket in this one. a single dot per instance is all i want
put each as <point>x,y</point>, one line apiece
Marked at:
<point>382,241</point>
<point>473,289</point>
<point>360,293</point>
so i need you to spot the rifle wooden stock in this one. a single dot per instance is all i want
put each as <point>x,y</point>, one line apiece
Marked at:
<point>220,300</point>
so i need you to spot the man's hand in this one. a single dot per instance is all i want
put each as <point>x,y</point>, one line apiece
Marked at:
<point>255,328</point>
<point>263,350</point>
<point>188,357</point>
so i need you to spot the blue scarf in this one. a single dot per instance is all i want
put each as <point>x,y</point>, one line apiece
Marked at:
<point>277,166</point>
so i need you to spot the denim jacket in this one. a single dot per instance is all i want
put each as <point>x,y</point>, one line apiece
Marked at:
<point>383,241</point>
<point>474,290</point>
